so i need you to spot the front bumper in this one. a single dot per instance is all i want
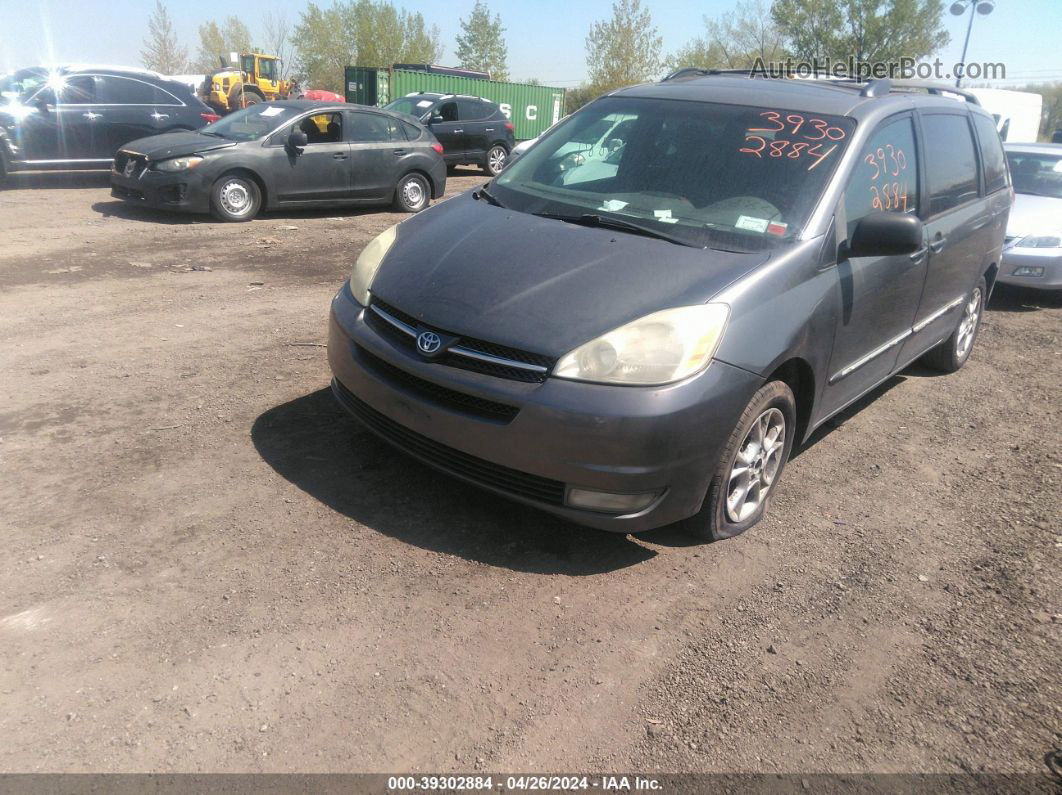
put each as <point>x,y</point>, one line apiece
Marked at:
<point>559,434</point>
<point>1046,264</point>
<point>184,191</point>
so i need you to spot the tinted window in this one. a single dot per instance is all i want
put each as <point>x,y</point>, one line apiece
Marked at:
<point>471,109</point>
<point>951,162</point>
<point>267,69</point>
<point>122,91</point>
<point>886,176</point>
<point>412,131</point>
<point>414,106</point>
<point>707,173</point>
<point>324,128</point>
<point>992,156</point>
<point>1036,174</point>
<point>369,127</point>
<point>448,111</point>
<point>76,90</point>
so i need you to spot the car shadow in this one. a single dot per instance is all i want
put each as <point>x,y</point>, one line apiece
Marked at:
<point>133,212</point>
<point>1014,298</point>
<point>96,178</point>
<point>315,445</point>
<point>841,417</point>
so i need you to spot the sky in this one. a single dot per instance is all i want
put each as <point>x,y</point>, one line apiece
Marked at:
<point>546,38</point>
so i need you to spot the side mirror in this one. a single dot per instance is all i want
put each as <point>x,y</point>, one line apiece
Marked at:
<point>436,118</point>
<point>882,234</point>
<point>297,140</point>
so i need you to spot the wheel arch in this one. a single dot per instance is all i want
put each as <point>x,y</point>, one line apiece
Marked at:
<point>797,374</point>
<point>249,173</point>
<point>990,274</point>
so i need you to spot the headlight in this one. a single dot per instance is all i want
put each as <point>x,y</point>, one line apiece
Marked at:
<point>369,262</point>
<point>656,349</point>
<point>178,163</point>
<point>1040,241</point>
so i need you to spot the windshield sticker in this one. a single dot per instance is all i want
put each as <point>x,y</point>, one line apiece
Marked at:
<point>612,205</point>
<point>271,111</point>
<point>777,229</point>
<point>424,103</point>
<point>664,216</point>
<point>795,126</point>
<point>751,224</point>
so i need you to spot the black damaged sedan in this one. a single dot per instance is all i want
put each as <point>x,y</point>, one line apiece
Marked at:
<point>285,155</point>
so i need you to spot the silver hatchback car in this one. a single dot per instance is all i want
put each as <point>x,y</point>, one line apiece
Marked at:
<point>1032,256</point>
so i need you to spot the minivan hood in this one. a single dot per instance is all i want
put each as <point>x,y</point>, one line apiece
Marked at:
<point>540,285</point>
<point>176,144</point>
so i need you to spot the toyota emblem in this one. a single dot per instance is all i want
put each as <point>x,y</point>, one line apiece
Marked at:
<point>428,342</point>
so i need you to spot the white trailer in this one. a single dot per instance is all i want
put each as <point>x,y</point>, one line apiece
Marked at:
<point>1017,113</point>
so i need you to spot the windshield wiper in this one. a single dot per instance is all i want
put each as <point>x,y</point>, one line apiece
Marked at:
<point>608,222</point>
<point>484,194</point>
<point>214,134</point>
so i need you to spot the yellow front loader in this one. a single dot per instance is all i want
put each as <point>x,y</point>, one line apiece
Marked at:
<point>249,78</point>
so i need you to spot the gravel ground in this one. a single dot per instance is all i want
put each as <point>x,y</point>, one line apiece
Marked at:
<point>208,567</point>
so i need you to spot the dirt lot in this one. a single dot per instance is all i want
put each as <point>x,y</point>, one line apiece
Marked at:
<point>208,567</point>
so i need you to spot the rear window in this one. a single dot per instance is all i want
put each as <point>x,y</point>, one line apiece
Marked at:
<point>471,109</point>
<point>995,162</point>
<point>951,161</point>
<point>1036,174</point>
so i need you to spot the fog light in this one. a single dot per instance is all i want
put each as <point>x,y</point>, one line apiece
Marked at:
<point>607,502</point>
<point>1029,270</point>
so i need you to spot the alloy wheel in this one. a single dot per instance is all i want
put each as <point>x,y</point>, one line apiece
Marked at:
<point>971,315</point>
<point>496,159</point>
<point>756,466</point>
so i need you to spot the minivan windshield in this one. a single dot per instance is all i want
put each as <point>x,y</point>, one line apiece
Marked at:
<point>1036,174</point>
<point>250,124</point>
<point>713,175</point>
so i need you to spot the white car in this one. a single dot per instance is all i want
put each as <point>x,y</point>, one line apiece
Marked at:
<point>1032,254</point>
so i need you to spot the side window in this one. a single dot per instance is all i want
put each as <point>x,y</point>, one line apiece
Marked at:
<point>267,69</point>
<point>470,109</point>
<point>995,162</point>
<point>122,91</point>
<point>412,131</point>
<point>369,128</point>
<point>951,162</point>
<point>448,111</point>
<point>886,176</point>
<point>78,90</point>
<point>324,128</point>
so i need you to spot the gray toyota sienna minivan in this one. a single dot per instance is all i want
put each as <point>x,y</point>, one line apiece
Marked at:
<point>634,330</point>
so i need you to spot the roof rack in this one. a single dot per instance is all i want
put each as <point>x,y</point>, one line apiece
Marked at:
<point>869,87</point>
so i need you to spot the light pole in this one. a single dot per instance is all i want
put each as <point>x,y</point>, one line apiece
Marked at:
<point>958,8</point>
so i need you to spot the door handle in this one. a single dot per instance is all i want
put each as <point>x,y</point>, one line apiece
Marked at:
<point>399,151</point>
<point>457,131</point>
<point>339,156</point>
<point>918,256</point>
<point>980,223</point>
<point>92,116</point>
<point>938,245</point>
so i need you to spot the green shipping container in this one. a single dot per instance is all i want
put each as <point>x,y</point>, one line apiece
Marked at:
<point>532,109</point>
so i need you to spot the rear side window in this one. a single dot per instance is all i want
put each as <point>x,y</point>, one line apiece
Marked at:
<point>78,90</point>
<point>122,91</point>
<point>369,128</point>
<point>951,161</point>
<point>412,132</point>
<point>886,177</point>
<point>995,162</point>
<point>471,109</point>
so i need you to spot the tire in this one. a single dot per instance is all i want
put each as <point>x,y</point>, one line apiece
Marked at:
<point>725,514</point>
<point>495,160</point>
<point>412,194</point>
<point>234,198</point>
<point>244,99</point>
<point>952,353</point>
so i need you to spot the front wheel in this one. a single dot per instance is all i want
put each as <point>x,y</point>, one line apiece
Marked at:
<point>412,194</point>
<point>495,161</point>
<point>952,354</point>
<point>235,197</point>
<point>750,467</point>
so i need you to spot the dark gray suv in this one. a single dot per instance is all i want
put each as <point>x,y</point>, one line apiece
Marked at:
<point>639,338</point>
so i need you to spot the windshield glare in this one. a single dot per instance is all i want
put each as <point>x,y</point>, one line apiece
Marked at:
<point>250,124</point>
<point>718,175</point>
<point>411,106</point>
<point>22,84</point>
<point>1039,175</point>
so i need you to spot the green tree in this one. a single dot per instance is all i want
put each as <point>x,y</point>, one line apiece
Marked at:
<point>237,36</point>
<point>277,32</point>
<point>481,44</point>
<point>624,49</point>
<point>575,98</point>
<point>1051,117</point>
<point>211,48</point>
<point>734,41</point>
<point>161,50</point>
<point>360,33</point>
<point>871,31</point>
